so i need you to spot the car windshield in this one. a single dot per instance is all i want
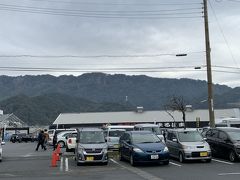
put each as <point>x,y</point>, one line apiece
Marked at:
<point>189,136</point>
<point>92,137</point>
<point>155,130</point>
<point>234,135</point>
<point>115,133</point>
<point>145,138</point>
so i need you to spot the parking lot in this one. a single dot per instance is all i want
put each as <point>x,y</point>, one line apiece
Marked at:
<point>21,161</point>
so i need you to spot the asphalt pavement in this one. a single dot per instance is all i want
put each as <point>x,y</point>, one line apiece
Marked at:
<point>22,162</point>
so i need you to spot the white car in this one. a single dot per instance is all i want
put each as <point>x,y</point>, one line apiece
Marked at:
<point>62,137</point>
<point>71,142</point>
<point>2,143</point>
<point>51,133</point>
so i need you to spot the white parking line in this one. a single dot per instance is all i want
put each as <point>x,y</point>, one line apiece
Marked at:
<point>175,164</point>
<point>225,174</point>
<point>137,171</point>
<point>225,162</point>
<point>28,155</point>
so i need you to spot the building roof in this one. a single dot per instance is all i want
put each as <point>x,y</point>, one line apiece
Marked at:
<point>10,120</point>
<point>138,117</point>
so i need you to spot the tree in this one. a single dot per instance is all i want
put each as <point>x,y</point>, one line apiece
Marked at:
<point>177,103</point>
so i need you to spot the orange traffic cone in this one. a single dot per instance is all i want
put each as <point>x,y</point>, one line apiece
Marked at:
<point>57,156</point>
<point>54,160</point>
<point>58,150</point>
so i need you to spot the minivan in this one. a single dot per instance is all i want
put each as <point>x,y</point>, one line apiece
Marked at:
<point>187,144</point>
<point>154,128</point>
<point>142,147</point>
<point>91,146</point>
<point>225,142</point>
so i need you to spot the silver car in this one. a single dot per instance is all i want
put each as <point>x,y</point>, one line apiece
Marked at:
<point>112,138</point>
<point>91,146</point>
<point>187,144</point>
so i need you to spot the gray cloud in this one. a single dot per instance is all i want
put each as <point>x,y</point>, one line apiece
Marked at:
<point>41,34</point>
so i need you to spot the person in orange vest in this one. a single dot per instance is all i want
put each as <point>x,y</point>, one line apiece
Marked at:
<point>46,137</point>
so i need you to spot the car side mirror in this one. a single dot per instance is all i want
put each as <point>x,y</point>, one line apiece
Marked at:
<point>174,140</point>
<point>77,141</point>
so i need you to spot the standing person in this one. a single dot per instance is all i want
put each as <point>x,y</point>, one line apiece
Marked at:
<point>46,137</point>
<point>40,140</point>
<point>54,141</point>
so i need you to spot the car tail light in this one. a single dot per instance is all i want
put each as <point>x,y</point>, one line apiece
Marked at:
<point>70,141</point>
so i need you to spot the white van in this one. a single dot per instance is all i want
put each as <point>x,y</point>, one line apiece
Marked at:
<point>229,122</point>
<point>113,133</point>
<point>150,127</point>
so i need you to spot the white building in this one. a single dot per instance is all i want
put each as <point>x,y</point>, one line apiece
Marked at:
<point>67,120</point>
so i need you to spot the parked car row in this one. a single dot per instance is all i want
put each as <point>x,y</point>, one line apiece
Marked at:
<point>144,145</point>
<point>22,137</point>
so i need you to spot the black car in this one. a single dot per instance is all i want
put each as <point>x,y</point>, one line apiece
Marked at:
<point>224,142</point>
<point>21,137</point>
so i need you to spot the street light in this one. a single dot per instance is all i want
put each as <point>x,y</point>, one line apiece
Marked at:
<point>181,54</point>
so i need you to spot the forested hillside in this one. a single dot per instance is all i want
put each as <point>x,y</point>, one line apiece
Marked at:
<point>40,99</point>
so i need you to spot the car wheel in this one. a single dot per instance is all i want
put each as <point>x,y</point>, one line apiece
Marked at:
<point>208,160</point>
<point>232,156</point>
<point>105,163</point>
<point>120,156</point>
<point>132,162</point>
<point>166,162</point>
<point>181,158</point>
<point>61,143</point>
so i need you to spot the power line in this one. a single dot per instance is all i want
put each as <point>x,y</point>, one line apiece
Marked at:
<point>99,16</point>
<point>77,70</point>
<point>237,1</point>
<point>92,14</point>
<point>117,4</point>
<point>227,67</point>
<point>224,37</point>
<point>96,11</point>
<point>96,56</point>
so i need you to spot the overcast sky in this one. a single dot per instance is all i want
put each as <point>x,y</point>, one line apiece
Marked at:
<point>120,36</point>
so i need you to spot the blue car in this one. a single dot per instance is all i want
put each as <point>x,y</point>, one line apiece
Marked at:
<point>142,147</point>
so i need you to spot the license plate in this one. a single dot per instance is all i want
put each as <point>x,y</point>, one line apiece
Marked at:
<point>203,154</point>
<point>90,158</point>
<point>116,146</point>
<point>154,156</point>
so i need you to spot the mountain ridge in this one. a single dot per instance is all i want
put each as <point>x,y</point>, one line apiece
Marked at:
<point>51,95</point>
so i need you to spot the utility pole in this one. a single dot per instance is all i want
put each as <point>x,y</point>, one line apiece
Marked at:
<point>209,70</point>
